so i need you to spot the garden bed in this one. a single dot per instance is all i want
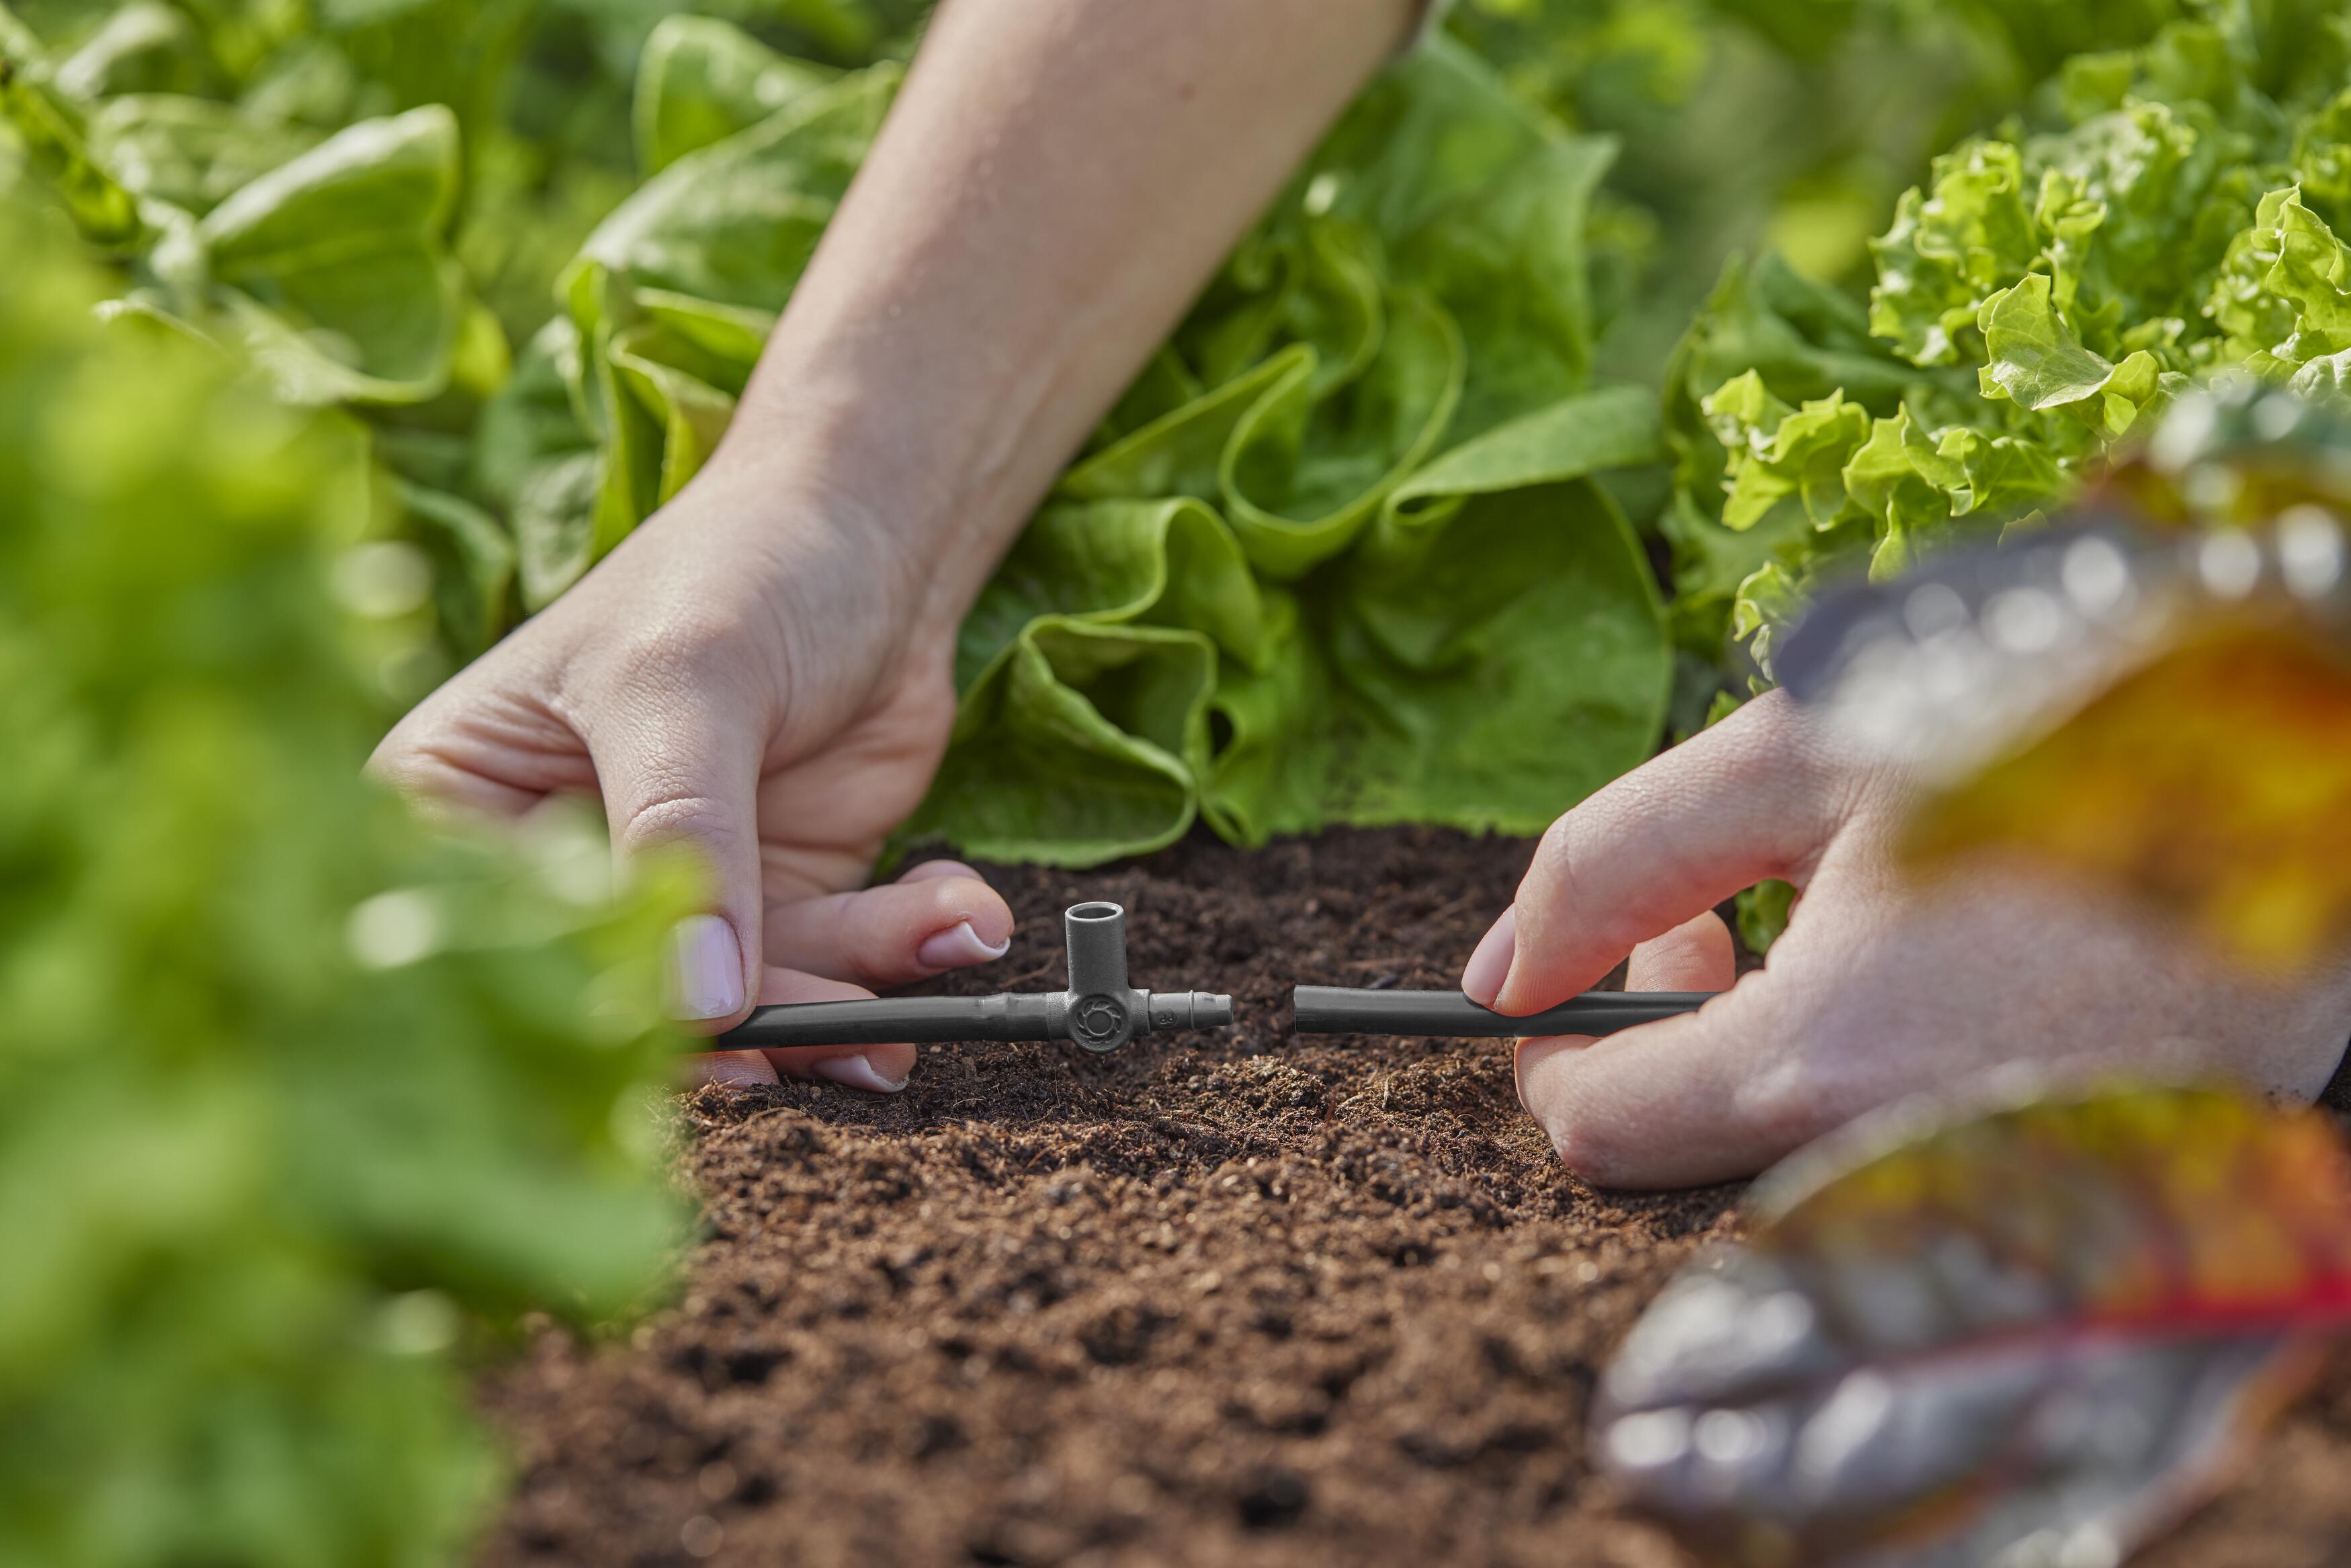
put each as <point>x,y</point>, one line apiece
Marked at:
<point>1234,1299</point>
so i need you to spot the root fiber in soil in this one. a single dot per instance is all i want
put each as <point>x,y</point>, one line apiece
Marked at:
<point>1232,1298</point>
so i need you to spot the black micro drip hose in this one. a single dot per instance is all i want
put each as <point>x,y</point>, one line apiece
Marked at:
<point>1333,1010</point>
<point>915,1020</point>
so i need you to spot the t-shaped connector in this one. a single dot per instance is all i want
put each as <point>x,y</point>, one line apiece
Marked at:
<point>1100,1010</point>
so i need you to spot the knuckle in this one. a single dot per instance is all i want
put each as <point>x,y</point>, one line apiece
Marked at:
<point>1551,875</point>
<point>672,819</point>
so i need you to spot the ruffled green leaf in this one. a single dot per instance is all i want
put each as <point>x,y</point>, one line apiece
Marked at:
<point>2036,363</point>
<point>1083,741</point>
<point>1494,650</point>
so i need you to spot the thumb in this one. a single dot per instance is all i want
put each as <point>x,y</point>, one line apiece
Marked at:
<point>680,771</point>
<point>1678,1103</point>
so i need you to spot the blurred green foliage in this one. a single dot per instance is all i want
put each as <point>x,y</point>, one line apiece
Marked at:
<point>299,1098</point>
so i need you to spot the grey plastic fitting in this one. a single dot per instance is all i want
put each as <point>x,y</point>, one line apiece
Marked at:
<point>1100,1011</point>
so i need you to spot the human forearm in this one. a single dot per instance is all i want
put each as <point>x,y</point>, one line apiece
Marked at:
<point>1057,181</point>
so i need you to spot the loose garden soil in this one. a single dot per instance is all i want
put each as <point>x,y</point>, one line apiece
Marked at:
<point>1234,1299</point>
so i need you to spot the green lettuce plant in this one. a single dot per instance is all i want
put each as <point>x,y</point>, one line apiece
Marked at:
<point>300,1099</point>
<point>2035,302</point>
<point>1337,555</point>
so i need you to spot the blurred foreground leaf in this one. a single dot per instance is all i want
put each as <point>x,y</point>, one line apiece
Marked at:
<point>2032,1336</point>
<point>2214,781</point>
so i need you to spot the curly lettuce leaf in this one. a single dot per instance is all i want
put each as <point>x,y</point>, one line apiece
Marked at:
<point>2085,274</point>
<point>1087,666</point>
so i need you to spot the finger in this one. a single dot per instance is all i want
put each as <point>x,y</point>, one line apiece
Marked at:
<point>901,931</point>
<point>1696,956</point>
<point>929,869</point>
<point>481,745</point>
<point>1757,796</point>
<point>730,1069</point>
<point>880,1069</point>
<point>1679,1103</point>
<point>682,766</point>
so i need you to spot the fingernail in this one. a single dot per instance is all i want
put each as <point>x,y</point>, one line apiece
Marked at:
<point>1489,966</point>
<point>857,1074</point>
<point>705,968</point>
<point>957,945</point>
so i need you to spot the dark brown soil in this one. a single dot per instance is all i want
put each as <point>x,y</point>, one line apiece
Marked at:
<point>1241,1299</point>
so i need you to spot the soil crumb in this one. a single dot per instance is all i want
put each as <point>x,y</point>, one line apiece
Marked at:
<point>1232,1298</point>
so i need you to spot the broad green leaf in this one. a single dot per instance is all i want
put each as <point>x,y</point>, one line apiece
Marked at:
<point>1876,1371</point>
<point>1165,562</point>
<point>555,525</point>
<point>144,47</point>
<point>475,562</point>
<point>189,152</point>
<point>701,79</point>
<point>1182,452</point>
<point>333,268</point>
<point>725,339</point>
<point>735,221</point>
<point>532,417</point>
<point>659,369</point>
<point>1613,428</point>
<point>1501,658</point>
<point>1507,264</point>
<point>1087,665</point>
<point>56,142</point>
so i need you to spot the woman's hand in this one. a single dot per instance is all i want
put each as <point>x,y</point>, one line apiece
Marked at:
<point>755,672</point>
<point>763,668</point>
<point>1881,986</point>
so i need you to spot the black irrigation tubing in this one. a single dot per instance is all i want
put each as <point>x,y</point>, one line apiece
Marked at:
<point>1335,1009</point>
<point>1100,1012</point>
